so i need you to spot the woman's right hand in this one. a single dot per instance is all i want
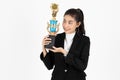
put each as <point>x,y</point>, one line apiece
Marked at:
<point>45,41</point>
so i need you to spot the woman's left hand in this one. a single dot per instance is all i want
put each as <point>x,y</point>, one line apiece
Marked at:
<point>59,49</point>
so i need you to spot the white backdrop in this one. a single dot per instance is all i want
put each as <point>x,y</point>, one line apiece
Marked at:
<point>23,25</point>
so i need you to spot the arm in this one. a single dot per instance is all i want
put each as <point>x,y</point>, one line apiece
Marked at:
<point>48,59</point>
<point>47,56</point>
<point>80,63</point>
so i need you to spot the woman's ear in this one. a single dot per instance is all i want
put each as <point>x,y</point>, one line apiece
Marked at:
<point>78,24</point>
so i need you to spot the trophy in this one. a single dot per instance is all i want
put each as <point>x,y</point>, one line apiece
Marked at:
<point>52,26</point>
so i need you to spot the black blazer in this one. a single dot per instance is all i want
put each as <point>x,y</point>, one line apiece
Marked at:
<point>73,65</point>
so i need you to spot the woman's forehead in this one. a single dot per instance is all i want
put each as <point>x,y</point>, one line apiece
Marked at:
<point>69,17</point>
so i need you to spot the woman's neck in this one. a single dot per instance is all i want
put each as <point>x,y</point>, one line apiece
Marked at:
<point>70,33</point>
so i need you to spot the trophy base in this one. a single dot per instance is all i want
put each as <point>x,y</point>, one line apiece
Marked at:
<point>50,45</point>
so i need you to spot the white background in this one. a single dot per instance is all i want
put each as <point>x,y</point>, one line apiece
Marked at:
<point>23,25</point>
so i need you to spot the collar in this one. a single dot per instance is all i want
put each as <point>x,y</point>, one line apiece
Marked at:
<point>70,36</point>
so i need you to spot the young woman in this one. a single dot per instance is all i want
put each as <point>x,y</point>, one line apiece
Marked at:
<point>69,56</point>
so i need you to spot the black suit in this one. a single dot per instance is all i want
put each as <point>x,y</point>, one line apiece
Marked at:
<point>73,65</point>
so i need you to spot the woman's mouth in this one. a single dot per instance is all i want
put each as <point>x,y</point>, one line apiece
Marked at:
<point>66,29</point>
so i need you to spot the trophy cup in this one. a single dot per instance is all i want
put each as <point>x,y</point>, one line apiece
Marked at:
<point>52,26</point>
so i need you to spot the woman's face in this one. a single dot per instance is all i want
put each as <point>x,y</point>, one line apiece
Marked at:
<point>69,24</point>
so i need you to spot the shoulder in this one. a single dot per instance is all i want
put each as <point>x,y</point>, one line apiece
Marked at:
<point>86,38</point>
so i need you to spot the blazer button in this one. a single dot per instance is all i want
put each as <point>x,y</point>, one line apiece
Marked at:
<point>65,70</point>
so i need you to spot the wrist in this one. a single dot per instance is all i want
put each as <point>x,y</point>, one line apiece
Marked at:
<point>64,52</point>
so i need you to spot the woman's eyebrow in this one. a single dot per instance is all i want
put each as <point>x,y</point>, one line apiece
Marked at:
<point>71,21</point>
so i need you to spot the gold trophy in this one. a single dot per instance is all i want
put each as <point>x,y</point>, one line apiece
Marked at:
<point>53,27</point>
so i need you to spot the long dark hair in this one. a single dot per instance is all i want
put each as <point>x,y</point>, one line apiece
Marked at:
<point>78,15</point>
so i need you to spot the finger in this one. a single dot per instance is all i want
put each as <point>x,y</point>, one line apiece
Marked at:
<point>48,39</point>
<point>52,50</point>
<point>46,43</point>
<point>47,36</point>
<point>54,47</point>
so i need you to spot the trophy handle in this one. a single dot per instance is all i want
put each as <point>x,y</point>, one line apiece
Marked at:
<point>48,27</point>
<point>57,28</point>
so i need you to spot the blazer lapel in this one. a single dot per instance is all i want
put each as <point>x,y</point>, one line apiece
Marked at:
<point>74,43</point>
<point>60,41</point>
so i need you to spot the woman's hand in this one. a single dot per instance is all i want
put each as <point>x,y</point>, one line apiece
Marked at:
<point>45,41</point>
<point>59,49</point>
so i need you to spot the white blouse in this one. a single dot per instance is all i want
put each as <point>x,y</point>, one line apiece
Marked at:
<point>68,41</point>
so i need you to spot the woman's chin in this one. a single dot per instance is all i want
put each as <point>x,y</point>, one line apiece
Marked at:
<point>67,32</point>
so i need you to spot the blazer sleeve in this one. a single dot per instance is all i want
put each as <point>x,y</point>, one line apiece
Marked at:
<point>48,60</point>
<point>80,63</point>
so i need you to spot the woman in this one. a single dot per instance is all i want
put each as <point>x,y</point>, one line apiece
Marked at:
<point>69,56</point>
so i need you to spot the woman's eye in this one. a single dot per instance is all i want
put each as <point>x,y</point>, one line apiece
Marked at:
<point>70,22</point>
